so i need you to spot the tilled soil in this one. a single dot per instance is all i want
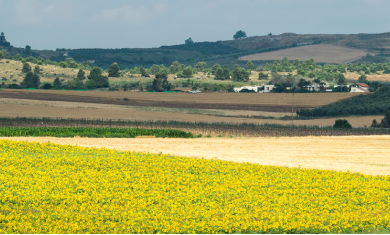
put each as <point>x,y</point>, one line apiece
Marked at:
<point>357,154</point>
<point>132,102</point>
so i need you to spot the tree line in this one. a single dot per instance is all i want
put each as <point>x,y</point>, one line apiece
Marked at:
<point>307,73</point>
<point>370,104</point>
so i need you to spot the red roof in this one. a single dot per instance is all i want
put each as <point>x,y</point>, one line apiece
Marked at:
<point>363,85</point>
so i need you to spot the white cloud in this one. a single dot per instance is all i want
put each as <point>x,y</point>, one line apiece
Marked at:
<point>33,12</point>
<point>130,14</point>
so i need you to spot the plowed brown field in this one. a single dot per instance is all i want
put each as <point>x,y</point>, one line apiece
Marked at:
<point>238,99</point>
<point>80,112</point>
<point>363,154</point>
<point>321,53</point>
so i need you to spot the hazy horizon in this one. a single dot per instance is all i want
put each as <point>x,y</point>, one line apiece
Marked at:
<point>47,24</point>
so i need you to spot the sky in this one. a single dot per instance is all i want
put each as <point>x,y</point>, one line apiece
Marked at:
<point>51,24</point>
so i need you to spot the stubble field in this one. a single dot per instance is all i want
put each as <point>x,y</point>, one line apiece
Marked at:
<point>326,153</point>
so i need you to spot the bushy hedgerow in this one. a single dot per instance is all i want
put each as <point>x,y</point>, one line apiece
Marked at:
<point>369,104</point>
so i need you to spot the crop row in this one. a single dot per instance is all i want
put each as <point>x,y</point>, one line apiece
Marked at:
<point>196,128</point>
<point>47,188</point>
<point>91,132</point>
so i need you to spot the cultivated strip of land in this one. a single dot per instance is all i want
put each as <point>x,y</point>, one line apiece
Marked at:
<point>9,110</point>
<point>321,53</point>
<point>366,154</point>
<point>232,101</point>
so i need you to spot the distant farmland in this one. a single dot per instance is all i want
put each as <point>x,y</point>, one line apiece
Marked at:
<point>321,53</point>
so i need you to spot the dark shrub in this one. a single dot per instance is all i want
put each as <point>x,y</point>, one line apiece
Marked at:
<point>342,123</point>
<point>47,86</point>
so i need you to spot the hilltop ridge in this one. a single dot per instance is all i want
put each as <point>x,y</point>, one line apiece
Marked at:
<point>225,52</point>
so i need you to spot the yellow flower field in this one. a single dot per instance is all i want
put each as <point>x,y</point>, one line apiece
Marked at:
<point>47,188</point>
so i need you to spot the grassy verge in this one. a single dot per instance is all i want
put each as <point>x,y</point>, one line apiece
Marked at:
<point>91,132</point>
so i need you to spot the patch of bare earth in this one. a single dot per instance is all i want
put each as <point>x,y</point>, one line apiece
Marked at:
<point>17,110</point>
<point>321,53</point>
<point>227,101</point>
<point>361,154</point>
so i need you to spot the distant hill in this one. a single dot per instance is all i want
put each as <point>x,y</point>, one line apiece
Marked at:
<point>222,52</point>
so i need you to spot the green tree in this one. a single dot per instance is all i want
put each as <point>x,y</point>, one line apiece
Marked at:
<point>160,82</point>
<point>3,54</point>
<point>312,75</point>
<point>236,66</point>
<point>75,84</point>
<point>27,50</point>
<point>70,63</point>
<point>175,67</point>
<point>250,66</point>
<point>219,74</point>
<point>342,123</point>
<point>240,75</point>
<point>81,74</point>
<point>302,82</point>
<point>263,76</point>
<point>226,73</point>
<point>37,70</point>
<point>239,34</point>
<point>362,78</point>
<point>143,72</point>
<point>154,69</point>
<point>296,62</point>
<point>385,123</point>
<point>172,69</point>
<point>95,72</point>
<point>341,79</point>
<point>189,41</point>
<point>57,84</point>
<point>187,72</point>
<point>98,82</point>
<point>201,65</point>
<point>375,123</point>
<point>113,71</point>
<point>96,79</point>
<point>47,86</point>
<point>215,68</point>
<point>31,80</point>
<point>285,62</point>
<point>26,67</point>
<point>301,72</point>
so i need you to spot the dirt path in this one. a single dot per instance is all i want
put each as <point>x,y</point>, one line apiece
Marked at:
<point>363,154</point>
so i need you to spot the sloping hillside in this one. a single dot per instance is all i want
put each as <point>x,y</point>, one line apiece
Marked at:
<point>371,42</point>
<point>323,53</point>
<point>222,52</point>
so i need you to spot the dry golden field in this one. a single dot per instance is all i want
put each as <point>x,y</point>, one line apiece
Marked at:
<point>373,77</point>
<point>320,53</point>
<point>13,70</point>
<point>363,154</point>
